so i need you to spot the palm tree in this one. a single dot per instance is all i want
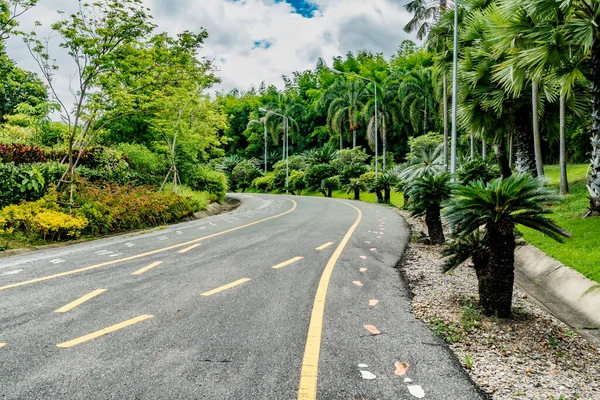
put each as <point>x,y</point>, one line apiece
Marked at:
<point>388,114</point>
<point>426,196</point>
<point>498,207</point>
<point>346,100</point>
<point>355,185</point>
<point>428,161</point>
<point>418,102</point>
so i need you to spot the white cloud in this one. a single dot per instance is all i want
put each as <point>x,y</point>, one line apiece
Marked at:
<point>296,42</point>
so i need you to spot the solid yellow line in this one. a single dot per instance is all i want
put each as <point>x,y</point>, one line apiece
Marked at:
<point>225,287</point>
<point>288,262</point>
<point>326,245</point>
<point>192,247</point>
<point>104,264</point>
<point>141,271</point>
<point>2,345</point>
<point>103,332</point>
<point>80,300</point>
<point>307,390</point>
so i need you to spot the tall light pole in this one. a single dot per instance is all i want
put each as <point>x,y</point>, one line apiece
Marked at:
<point>264,122</point>
<point>454,91</point>
<point>285,143</point>
<point>335,71</point>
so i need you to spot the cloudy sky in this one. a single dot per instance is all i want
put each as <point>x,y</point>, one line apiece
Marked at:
<point>255,40</point>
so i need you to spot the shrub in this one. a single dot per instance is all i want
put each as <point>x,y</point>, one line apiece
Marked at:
<point>205,179</point>
<point>202,199</point>
<point>315,175</point>
<point>477,170</point>
<point>329,185</point>
<point>20,182</point>
<point>20,154</point>
<point>348,157</point>
<point>353,170</point>
<point>297,163</point>
<point>149,168</point>
<point>297,182</point>
<point>279,179</point>
<point>243,174</point>
<point>263,183</point>
<point>426,143</point>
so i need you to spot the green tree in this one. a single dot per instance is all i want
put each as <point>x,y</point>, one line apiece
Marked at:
<point>10,11</point>
<point>426,194</point>
<point>499,206</point>
<point>355,186</point>
<point>346,100</point>
<point>417,98</point>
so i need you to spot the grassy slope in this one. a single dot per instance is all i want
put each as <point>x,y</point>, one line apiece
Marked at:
<point>582,251</point>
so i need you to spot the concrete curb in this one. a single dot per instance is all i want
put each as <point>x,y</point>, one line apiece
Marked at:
<point>558,288</point>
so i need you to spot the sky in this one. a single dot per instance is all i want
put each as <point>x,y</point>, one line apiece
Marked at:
<point>251,41</point>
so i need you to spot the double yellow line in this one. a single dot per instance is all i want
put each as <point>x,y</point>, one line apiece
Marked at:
<point>104,264</point>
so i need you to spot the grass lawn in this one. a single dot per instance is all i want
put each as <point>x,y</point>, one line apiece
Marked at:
<point>582,251</point>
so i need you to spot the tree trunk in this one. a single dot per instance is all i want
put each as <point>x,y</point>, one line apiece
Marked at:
<point>510,148</point>
<point>434,225</point>
<point>425,118</point>
<point>356,193</point>
<point>324,193</point>
<point>445,85</point>
<point>329,192</point>
<point>564,183</point>
<point>500,151</point>
<point>379,196</point>
<point>354,138</point>
<point>384,140</point>
<point>387,195</point>
<point>537,140</point>
<point>496,286</point>
<point>594,182</point>
<point>341,142</point>
<point>472,147</point>
<point>525,162</point>
<point>483,149</point>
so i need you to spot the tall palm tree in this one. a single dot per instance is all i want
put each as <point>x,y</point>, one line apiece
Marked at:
<point>388,113</point>
<point>418,100</point>
<point>499,206</point>
<point>287,106</point>
<point>346,99</point>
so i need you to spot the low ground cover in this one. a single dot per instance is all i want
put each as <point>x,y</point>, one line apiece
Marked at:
<point>582,251</point>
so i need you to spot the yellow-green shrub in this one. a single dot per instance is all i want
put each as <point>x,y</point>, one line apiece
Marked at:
<point>55,225</point>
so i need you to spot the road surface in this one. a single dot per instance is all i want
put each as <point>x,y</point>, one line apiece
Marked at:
<point>282,299</point>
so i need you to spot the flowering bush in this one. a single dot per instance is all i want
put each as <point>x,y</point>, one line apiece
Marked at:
<point>20,154</point>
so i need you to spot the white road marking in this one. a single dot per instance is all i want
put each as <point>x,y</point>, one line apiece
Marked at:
<point>57,261</point>
<point>12,272</point>
<point>202,227</point>
<point>163,238</point>
<point>103,252</point>
<point>116,255</point>
<point>129,244</point>
<point>179,232</point>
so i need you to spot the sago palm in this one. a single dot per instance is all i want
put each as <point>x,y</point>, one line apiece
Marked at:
<point>426,196</point>
<point>498,207</point>
<point>355,185</point>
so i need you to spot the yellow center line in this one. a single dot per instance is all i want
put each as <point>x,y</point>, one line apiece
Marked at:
<point>307,389</point>
<point>225,287</point>
<point>192,247</point>
<point>323,247</point>
<point>2,345</point>
<point>288,262</point>
<point>142,270</point>
<point>80,300</point>
<point>103,332</point>
<point>104,264</point>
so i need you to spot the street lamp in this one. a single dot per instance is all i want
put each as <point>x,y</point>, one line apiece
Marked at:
<point>454,92</point>
<point>285,144</point>
<point>255,121</point>
<point>335,71</point>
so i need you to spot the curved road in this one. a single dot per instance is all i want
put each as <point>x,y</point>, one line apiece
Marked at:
<point>282,299</point>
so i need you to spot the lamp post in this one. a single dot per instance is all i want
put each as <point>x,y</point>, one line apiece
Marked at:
<point>335,71</point>
<point>285,143</point>
<point>454,92</point>
<point>255,121</point>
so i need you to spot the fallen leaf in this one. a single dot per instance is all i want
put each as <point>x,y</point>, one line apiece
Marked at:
<point>367,375</point>
<point>357,283</point>
<point>374,331</point>
<point>416,391</point>
<point>401,368</point>
<point>373,302</point>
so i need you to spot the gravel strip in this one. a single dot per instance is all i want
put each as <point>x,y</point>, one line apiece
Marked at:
<point>533,356</point>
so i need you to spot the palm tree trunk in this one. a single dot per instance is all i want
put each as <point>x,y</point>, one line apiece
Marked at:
<point>354,138</point>
<point>384,140</point>
<point>525,162</point>
<point>341,142</point>
<point>564,184</point>
<point>537,140</point>
<point>472,147</point>
<point>356,193</point>
<point>594,182</point>
<point>483,149</point>
<point>434,225</point>
<point>425,118</point>
<point>500,151</point>
<point>510,148</point>
<point>445,84</point>
<point>496,287</point>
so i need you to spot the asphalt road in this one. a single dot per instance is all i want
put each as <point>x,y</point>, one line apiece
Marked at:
<point>198,311</point>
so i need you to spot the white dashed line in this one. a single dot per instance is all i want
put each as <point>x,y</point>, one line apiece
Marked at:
<point>12,272</point>
<point>115,255</point>
<point>163,238</point>
<point>103,252</point>
<point>57,261</point>
<point>129,244</point>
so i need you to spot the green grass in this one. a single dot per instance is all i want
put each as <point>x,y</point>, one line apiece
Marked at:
<point>582,251</point>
